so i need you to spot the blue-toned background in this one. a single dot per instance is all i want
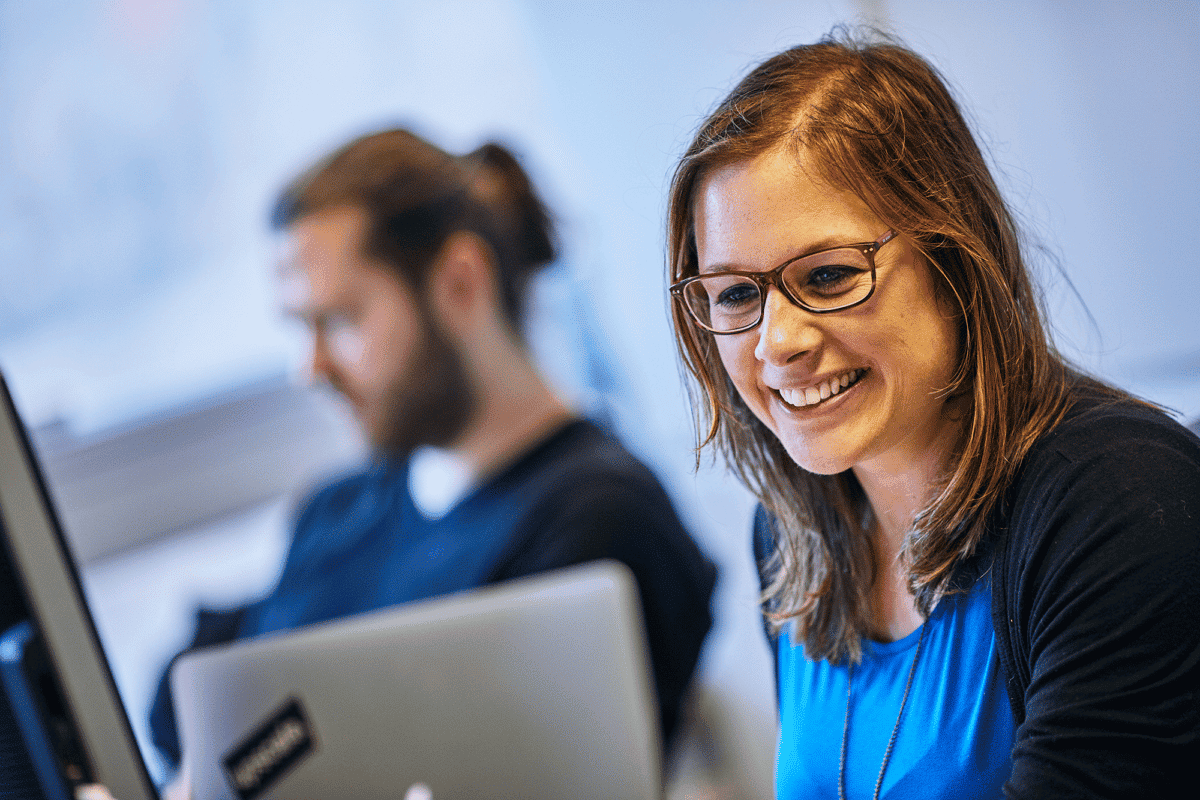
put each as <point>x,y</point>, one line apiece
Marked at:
<point>142,141</point>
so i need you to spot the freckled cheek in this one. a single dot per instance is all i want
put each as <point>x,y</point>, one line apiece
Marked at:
<point>738,359</point>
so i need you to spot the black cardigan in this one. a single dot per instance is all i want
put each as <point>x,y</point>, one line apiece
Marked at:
<point>1096,605</point>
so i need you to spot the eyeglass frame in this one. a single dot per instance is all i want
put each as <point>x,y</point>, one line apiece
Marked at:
<point>774,277</point>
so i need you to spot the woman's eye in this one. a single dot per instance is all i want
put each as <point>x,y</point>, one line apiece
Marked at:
<point>738,295</point>
<point>832,279</point>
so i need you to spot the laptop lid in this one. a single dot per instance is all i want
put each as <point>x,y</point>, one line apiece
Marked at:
<point>33,543</point>
<point>537,688</point>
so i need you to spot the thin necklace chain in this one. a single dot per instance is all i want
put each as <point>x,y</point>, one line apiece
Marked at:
<point>887,754</point>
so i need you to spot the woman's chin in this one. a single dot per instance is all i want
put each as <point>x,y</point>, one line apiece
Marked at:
<point>819,461</point>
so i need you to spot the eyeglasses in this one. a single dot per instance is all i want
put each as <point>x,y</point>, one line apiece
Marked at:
<point>822,282</point>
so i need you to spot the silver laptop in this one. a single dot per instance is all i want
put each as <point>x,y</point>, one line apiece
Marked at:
<point>537,688</point>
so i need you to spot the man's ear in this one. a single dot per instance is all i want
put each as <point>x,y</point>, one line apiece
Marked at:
<point>462,284</point>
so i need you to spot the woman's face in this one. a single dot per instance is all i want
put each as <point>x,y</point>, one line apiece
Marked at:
<point>890,357</point>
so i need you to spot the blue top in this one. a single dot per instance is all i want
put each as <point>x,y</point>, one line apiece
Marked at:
<point>956,736</point>
<point>361,545</point>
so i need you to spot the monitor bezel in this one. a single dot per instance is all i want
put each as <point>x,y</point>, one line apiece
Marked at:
<point>50,584</point>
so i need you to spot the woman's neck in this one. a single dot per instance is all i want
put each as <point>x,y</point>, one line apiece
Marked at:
<point>897,492</point>
<point>892,608</point>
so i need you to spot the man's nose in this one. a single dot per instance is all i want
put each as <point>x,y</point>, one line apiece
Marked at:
<point>321,366</point>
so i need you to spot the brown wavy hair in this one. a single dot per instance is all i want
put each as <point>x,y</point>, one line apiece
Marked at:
<point>878,121</point>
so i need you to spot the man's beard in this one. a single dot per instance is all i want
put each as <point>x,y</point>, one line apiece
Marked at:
<point>431,403</point>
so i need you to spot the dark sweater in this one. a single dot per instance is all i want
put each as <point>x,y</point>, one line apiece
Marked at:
<point>1096,606</point>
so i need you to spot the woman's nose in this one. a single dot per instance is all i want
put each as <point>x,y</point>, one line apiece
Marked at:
<point>786,330</point>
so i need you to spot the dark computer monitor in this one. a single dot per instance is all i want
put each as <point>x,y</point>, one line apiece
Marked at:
<point>18,776</point>
<point>58,684</point>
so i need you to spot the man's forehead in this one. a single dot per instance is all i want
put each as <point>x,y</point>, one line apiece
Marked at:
<point>320,265</point>
<point>315,255</point>
<point>295,287</point>
<point>294,284</point>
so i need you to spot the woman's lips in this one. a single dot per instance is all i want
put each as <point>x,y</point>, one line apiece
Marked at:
<point>812,395</point>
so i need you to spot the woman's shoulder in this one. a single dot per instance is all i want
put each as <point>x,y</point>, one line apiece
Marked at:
<point>1104,419</point>
<point>1110,468</point>
<point>1104,439</point>
<point>1099,550</point>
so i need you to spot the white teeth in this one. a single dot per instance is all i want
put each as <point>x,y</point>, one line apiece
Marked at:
<point>822,391</point>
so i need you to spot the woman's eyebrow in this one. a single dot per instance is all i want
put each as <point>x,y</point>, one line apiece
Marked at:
<point>829,242</point>
<point>722,267</point>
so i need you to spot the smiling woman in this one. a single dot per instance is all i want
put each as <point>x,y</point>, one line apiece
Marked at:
<point>899,348</point>
<point>953,521</point>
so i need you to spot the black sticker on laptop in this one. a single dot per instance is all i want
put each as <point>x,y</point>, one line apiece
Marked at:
<point>270,751</point>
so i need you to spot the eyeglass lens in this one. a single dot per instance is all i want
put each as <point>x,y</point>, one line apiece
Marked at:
<point>823,281</point>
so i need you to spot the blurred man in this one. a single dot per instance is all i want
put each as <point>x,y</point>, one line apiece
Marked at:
<point>409,267</point>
